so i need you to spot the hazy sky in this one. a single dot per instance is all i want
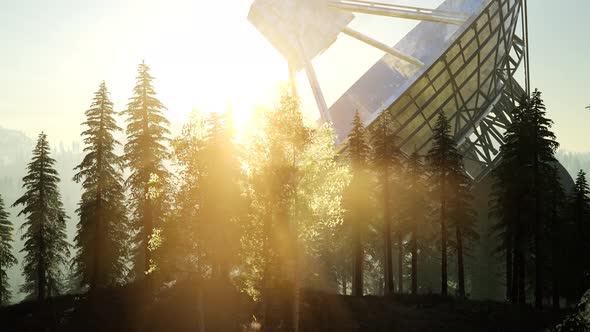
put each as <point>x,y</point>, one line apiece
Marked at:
<point>206,55</point>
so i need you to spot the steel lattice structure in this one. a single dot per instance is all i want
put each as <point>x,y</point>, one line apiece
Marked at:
<point>461,60</point>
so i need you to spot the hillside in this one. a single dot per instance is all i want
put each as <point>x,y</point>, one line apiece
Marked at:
<point>176,309</point>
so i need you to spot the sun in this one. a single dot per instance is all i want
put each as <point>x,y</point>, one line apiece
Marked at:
<point>207,56</point>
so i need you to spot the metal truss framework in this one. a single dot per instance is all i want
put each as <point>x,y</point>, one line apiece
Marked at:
<point>473,84</point>
<point>399,11</point>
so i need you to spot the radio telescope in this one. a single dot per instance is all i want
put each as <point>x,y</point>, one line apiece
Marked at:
<point>461,59</point>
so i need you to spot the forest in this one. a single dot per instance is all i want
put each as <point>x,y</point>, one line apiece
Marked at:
<point>267,230</point>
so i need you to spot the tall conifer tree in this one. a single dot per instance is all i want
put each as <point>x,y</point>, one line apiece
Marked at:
<point>463,218</point>
<point>386,158</point>
<point>355,197</point>
<point>520,192</point>
<point>542,149</point>
<point>555,198</point>
<point>415,207</point>
<point>145,152</point>
<point>579,208</point>
<point>46,248</point>
<point>101,235</point>
<point>223,204</point>
<point>7,259</point>
<point>508,198</point>
<point>445,163</point>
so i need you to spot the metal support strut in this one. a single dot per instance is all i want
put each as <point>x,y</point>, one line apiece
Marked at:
<point>407,12</point>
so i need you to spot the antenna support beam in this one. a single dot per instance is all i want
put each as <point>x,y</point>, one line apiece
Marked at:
<point>407,12</point>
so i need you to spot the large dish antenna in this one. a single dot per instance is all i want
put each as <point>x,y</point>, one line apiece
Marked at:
<point>461,59</point>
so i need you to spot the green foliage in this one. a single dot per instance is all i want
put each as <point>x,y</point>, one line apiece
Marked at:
<point>223,206</point>
<point>461,214</point>
<point>450,186</point>
<point>182,246</point>
<point>415,216</point>
<point>442,158</point>
<point>523,180</point>
<point>357,146</point>
<point>557,233</point>
<point>385,153</point>
<point>386,160</point>
<point>356,200</point>
<point>45,246</point>
<point>295,184</point>
<point>578,204</point>
<point>7,259</point>
<point>145,151</point>
<point>101,239</point>
<point>579,200</point>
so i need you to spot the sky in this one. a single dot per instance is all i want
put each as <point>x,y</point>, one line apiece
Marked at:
<point>205,55</point>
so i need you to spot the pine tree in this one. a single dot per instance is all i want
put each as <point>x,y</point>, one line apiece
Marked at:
<point>182,249</point>
<point>46,246</point>
<point>145,152</point>
<point>101,234</point>
<point>542,147</point>
<point>415,209</point>
<point>508,197</point>
<point>554,210</point>
<point>445,163</point>
<point>223,204</point>
<point>463,218</point>
<point>7,259</point>
<point>355,196</point>
<point>386,159</point>
<point>527,159</point>
<point>579,208</point>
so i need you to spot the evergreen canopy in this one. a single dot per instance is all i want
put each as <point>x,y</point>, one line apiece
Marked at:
<point>7,259</point>
<point>46,247</point>
<point>145,152</point>
<point>102,227</point>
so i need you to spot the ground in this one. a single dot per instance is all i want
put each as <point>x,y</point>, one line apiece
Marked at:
<point>225,309</point>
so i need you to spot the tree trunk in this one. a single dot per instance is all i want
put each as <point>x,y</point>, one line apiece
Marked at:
<point>522,280</point>
<point>266,274</point>
<point>509,268</point>
<point>518,273</point>
<point>519,268</point>
<point>400,262</point>
<point>539,279</point>
<point>460,264</point>
<point>200,307</point>
<point>41,281</point>
<point>514,296</point>
<point>414,248</point>
<point>388,268</point>
<point>96,271</point>
<point>539,262</point>
<point>443,240</point>
<point>357,262</point>
<point>97,241</point>
<point>148,229</point>
<point>555,295</point>
<point>579,249</point>
<point>556,255</point>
